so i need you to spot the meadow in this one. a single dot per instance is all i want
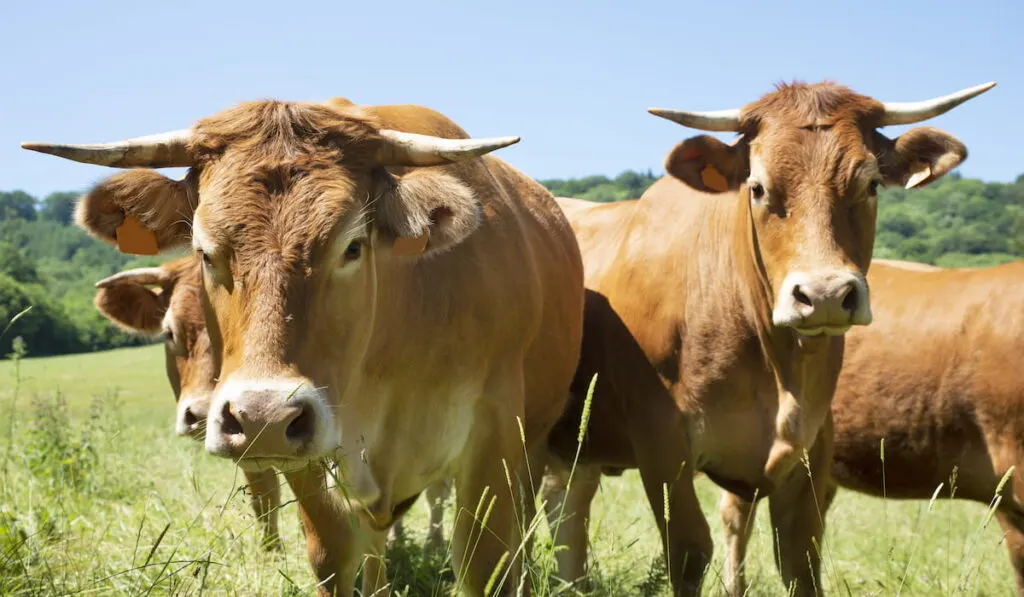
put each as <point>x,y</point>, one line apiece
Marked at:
<point>100,498</point>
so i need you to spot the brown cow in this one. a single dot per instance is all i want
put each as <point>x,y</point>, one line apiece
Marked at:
<point>173,311</point>
<point>738,275</point>
<point>380,297</point>
<point>937,377</point>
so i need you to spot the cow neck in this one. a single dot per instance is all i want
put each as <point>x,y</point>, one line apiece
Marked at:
<point>758,297</point>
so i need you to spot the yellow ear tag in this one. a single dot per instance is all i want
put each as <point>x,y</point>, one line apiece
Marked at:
<point>405,245</point>
<point>136,239</point>
<point>713,179</point>
<point>921,173</point>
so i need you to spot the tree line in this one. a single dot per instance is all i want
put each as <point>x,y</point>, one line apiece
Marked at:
<point>50,264</point>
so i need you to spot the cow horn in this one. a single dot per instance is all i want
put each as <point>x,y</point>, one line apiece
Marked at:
<point>166,150</point>
<point>139,275</point>
<point>911,112</point>
<point>409,149</point>
<point>718,121</point>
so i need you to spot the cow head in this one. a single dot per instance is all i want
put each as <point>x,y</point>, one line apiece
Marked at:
<point>807,168</point>
<point>165,301</point>
<point>299,213</point>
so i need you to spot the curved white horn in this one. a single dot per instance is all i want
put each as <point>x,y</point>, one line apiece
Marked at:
<point>139,275</point>
<point>410,149</point>
<point>717,121</point>
<point>165,150</point>
<point>911,112</point>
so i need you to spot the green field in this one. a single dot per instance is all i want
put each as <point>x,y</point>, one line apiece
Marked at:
<point>100,498</point>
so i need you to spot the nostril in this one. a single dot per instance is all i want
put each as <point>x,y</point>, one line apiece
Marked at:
<point>301,426</point>
<point>850,300</point>
<point>189,418</point>
<point>229,424</point>
<point>801,297</point>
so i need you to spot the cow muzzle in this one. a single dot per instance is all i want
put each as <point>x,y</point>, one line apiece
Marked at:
<point>822,303</point>
<point>190,418</point>
<point>277,423</point>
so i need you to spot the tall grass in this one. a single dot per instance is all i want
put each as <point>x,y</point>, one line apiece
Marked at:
<point>100,498</point>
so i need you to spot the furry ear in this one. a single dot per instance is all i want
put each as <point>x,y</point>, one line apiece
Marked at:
<point>133,307</point>
<point>161,205</point>
<point>706,164</point>
<point>918,157</point>
<point>425,212</point>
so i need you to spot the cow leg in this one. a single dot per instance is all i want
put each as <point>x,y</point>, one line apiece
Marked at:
<point>685,535</point>
<point>265,494</point>
<point>737,520</point>
<point>486,535</point>
<point>437,496</point>
<point>797,516</point>
<point>336,541</point>
<point>568,512</point>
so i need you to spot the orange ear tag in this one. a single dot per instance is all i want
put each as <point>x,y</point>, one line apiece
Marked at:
<point>405,245</point>
<point>713,179</point>
<point>136,239</point>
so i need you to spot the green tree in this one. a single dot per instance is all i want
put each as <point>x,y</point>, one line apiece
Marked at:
<point>17,204</point>
<point>59,207</point>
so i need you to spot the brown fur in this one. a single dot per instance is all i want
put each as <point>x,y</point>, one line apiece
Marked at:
<point>501,306</point>
<point>693,276</point>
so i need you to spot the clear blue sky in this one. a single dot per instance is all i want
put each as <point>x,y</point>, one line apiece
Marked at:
<point>572,78</point>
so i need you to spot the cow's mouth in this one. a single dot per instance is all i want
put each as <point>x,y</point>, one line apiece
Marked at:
<point>255,464</point>
<point>823,330</point>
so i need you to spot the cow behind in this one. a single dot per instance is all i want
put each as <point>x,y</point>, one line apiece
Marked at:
<point>738,274</point>
<point>937,377</point>
<point>172,310</point>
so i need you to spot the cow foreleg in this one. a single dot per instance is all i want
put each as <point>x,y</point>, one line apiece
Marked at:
<point>797,514</point>
<point>684,531</point>
<point>336,543</point>
<point>737,519</point>
<point>437,497</point>
<point>486,537</point>
<point>567,505</point>
<point>265,494</point>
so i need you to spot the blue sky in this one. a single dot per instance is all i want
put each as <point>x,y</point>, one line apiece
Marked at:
<point>572,78</point>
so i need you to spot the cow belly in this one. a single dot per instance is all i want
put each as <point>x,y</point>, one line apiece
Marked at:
<point>736,457</point>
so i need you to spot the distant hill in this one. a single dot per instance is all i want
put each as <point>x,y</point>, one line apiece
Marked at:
<point>48,262</point>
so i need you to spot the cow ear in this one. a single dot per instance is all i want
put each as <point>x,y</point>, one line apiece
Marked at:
<point>133,307</point>
<point>919,156</point>
<point>157,205</point>
<point>706,164</point>
<point>424,212</point>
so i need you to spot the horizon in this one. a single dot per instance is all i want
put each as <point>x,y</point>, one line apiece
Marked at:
<point>573,80</point>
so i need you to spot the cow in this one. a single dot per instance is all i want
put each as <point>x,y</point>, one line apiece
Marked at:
<point>172,310</point>
<point>391,299</point>
<point>738,274</point>
<point>936,378</point>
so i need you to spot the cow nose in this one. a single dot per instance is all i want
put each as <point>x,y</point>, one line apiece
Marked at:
<point>842,299</point>
<point>823,303</point>
<point>293,424</point>
<point>191,416</point>
<point>279,422</point>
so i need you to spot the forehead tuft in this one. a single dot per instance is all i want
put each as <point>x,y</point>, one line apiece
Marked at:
<point>801,104</point>
<point>285,132</point>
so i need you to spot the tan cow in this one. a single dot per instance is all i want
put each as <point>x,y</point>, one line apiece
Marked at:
<point>738,275</point>
<point>172,310</point>
<point>937,376</point>
<point>385,297</point>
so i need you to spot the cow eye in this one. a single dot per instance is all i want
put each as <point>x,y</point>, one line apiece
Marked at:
<point>168,335</point>
<point>353,251</point>
<point>873,188</point>
<point>757,191</point>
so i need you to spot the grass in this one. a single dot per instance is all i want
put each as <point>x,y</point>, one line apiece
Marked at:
<point>100,498</point>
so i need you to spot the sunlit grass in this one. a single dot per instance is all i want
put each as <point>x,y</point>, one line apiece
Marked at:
<point>153,514</point>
